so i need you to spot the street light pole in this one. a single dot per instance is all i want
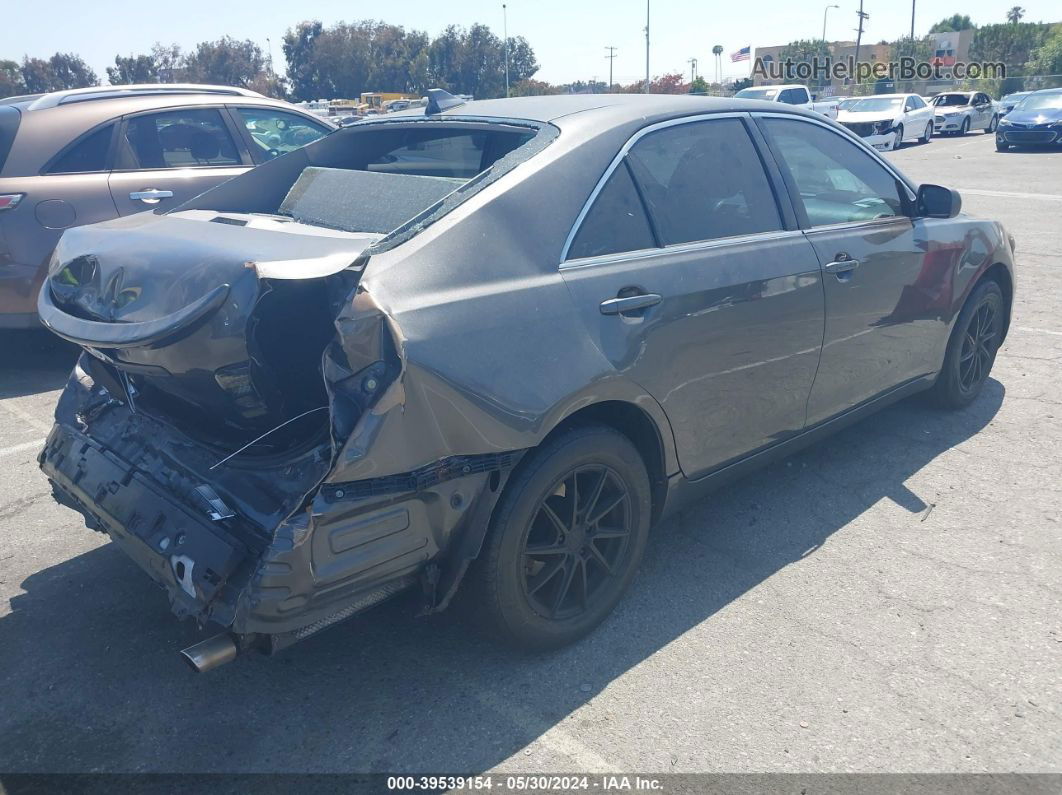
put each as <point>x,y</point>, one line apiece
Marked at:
<point>505,32</point>
<point>824,12</point>
<point>912,19</point>
<point>646,46</point>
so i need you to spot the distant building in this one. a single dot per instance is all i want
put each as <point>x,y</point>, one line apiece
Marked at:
<point>838,50</point>
<point>951,47</point>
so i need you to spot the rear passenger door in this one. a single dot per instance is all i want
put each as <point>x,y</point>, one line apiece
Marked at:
<point>695,283</point>
<point>166,157</point>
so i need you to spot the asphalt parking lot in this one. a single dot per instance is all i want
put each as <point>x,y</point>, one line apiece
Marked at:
<point>889,600</point>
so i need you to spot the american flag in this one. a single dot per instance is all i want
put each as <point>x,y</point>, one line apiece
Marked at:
<point>741,55</point>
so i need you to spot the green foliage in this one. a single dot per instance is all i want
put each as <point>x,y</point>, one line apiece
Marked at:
<point>805,50</point>
<point>61,71</point>
<point>1047,60</point>
<point>699,86</point>
<point>745,82</point>
<point>225,62</point>
<point>1015,14</point>
<point>10,79</point>
<point>953,24</point>
<point>132,69</point>
<point>1011,44</point>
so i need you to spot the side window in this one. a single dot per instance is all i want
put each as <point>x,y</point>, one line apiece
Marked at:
<point>910,104</point>
<point>704,181</point>
<point>836,180</point>
<point>276,132</point>
<point>89,154</point>
<point>178,139</point>
<point>794,96</point>
<point>616,221</point>
<point>916,103</point>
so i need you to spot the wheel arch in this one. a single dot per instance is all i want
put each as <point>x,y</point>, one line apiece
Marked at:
<point>1000,274</point>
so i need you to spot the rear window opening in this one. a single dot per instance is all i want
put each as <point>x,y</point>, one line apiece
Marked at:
<point>9,120</point>
<point>390,178</point>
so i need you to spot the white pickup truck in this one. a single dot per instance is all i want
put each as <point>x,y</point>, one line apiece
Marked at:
<point>791,95</point>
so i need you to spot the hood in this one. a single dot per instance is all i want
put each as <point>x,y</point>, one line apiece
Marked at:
<point>866,117</point>
<point>1038,116</point>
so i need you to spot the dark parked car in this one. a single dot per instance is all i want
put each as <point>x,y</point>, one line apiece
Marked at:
<point>494,342</point>
<point>91,154</point>
<point>1035,122</point>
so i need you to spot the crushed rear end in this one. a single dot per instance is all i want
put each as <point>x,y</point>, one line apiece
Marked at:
<point>220,423</point>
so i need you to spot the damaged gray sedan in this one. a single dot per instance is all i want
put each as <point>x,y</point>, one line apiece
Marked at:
<point>492,343</point>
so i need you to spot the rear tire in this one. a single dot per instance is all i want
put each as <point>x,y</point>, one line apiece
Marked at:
<point>565,539</point>
<point>971,349</point>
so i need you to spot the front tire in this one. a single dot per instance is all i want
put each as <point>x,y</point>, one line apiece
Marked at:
<point>565,539</point>
<point>965,127</point>
<point>971,349</point>
<point>991,128</point>
<point>927,134</point>
<point>898,140</point>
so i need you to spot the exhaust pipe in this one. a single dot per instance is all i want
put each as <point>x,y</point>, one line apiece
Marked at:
<point>210,653</point>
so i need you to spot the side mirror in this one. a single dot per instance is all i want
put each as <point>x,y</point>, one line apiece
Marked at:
<point>814,97</point>
<point>935,201</point>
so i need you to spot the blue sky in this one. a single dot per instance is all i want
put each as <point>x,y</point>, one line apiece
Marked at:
<point>569,37</point>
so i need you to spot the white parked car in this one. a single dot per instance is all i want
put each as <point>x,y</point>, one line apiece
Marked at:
<point>791,95</point>
<point>958,112</point>
<point>886,120</point>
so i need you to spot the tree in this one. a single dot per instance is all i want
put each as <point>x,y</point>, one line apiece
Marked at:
<point>37,76</point>
<point>226,62</point>
<point>745,82</point>
<point>71,71</point>
<point>699,85</point>
<point>1011,44</point>
<point>1015,14</point>
<point>472,61</point>
<point>132,69</point>
<point>806,51</point>
<point>10,79</point>
<point>1047,59</point>
<point>169,62</point>
<point>953,24</point>
<point>533,88</point>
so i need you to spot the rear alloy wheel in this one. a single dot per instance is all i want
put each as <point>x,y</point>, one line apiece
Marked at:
<point>972,348</point>
<point>927,134</point>
<point>565,539</point>
<point>898,139</point>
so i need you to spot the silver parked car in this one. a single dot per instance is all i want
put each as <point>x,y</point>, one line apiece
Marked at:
<point>958,112</point>
<point>78,157</point>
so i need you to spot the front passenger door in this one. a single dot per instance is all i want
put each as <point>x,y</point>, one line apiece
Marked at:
<point>880,328</point>
<point>165,158</point>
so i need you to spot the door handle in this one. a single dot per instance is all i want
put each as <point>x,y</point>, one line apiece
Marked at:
<point>151,195</point>
<point>619,306</point>
<point>843,264</point>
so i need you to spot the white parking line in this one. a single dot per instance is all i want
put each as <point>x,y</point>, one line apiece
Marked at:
<point>17,448</point>
<point>1039,330</point>
<point>13,408</point>
<point>1051,197</point>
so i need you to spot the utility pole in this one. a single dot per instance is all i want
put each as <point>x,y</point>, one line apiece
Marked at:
<point>693,69</point>
<point>912,19</point>
<point>859,33</point>
<point>646,46</point>
<point>611,57</point>
<point>505,32</point>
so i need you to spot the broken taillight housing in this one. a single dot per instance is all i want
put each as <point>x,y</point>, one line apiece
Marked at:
<point>8,201</point>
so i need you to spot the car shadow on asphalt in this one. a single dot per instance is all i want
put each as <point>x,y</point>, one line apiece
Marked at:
<point>33,361</point>
<point>92,680</point>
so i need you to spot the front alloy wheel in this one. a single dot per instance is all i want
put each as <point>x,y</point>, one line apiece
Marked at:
<point>971,351</point>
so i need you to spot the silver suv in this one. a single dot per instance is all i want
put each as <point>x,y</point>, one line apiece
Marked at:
<point>77,157</point>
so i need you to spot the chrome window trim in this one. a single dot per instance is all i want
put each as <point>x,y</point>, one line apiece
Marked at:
<point>678,248</point>
<point>637,136</point>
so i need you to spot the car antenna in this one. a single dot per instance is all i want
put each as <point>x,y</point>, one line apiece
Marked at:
<point>440,100</point>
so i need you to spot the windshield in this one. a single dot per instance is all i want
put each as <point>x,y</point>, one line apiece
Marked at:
<point>757,93</point>
<point>1051,101</point>
<point>873,104</point>
<point>950,99</point>
<point>846,104</point>
<point>1014,97</point>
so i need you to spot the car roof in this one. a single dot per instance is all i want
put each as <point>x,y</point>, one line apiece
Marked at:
<point>559,109</point>
<point>45,131</point>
